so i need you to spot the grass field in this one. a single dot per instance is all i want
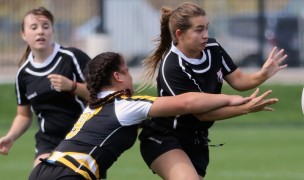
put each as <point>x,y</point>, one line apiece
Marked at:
<point>264,146</point>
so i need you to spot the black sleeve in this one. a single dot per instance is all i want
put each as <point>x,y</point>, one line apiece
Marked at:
<point>228,65</point>
<point>20,91</point>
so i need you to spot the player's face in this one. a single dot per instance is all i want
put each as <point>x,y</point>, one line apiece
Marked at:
<point>194,39</point>
<point>126,77</point>
<point>37,32</point>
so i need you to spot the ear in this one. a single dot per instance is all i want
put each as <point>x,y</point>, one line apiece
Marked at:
<point>117,77</point>
<point>23,35</point>
<point>178,33</point>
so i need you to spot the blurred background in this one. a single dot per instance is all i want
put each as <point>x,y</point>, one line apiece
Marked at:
<point>264,146</point>
<point>246,29</point>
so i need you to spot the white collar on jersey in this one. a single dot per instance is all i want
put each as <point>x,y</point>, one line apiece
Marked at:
<point>189,60</point>
<point>47,61</point>
<point>104,93</point>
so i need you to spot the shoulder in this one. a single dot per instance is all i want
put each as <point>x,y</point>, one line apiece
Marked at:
<point>139,98</point>
<point>212,43</point>
<point>73,51</point>
<point>21,69</point>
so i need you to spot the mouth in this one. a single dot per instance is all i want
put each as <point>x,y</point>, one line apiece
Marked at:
<point>40,40</point>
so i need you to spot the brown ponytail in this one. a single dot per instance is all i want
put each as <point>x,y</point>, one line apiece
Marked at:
<point>163,45</point>
<point>25,55</point>
<point>171,21</point>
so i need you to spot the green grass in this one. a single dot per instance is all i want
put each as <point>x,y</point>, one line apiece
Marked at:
<point>264,146</point>
<point>264,153</point>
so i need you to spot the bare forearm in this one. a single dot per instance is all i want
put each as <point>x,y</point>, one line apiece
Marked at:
<point>19,126</point>
<point>245,81</point>
<point>251,80</point>
<point>82,91</point>
<point>221,113</point>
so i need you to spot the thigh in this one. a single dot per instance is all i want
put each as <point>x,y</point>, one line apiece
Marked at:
<point>174,165</point>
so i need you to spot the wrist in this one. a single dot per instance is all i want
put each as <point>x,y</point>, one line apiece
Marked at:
<point>74,86</point>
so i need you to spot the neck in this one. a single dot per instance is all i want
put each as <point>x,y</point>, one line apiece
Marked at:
<point>189,53</point>
<point>41,55</point>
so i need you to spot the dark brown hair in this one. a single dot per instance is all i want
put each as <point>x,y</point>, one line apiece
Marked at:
<point>40,11</point>
<point>99,74</point>
<point>171,21</point>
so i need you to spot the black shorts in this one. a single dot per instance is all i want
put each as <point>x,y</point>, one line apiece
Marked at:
<point>50,172</point>
<point>45,143</point>
<point>154,142</point>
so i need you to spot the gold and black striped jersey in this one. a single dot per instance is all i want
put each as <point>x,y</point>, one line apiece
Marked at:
<point>101,135</point>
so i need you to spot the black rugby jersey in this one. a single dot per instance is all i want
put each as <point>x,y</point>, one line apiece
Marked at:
<point>102,134</point>
<point>56,111</point>
<point>178,74</point>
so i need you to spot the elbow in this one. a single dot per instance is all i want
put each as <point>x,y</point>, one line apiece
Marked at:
<point>204,117</point>
<point>240,88</point>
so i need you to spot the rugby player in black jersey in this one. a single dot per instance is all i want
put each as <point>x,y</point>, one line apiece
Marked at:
<point>190,61</point>
<point>50,82</point>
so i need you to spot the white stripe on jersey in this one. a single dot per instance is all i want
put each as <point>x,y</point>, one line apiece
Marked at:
<point>42,122</point>
<point>17,82</point>
<point>207,69</point>
<point>189,75</point>
<point>225,65</point>
<point>46,72</point>
<point>82,105</point>
<point>212,44</point>
<point>75,62</point>
<point>163,74</point>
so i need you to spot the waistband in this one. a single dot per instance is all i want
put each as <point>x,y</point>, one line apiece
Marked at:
<point>82,164</point>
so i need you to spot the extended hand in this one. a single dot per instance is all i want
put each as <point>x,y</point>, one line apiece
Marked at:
<point>260,103</point>
<point>273,63</point>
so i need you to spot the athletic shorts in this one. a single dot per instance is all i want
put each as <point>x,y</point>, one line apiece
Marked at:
<point>47,171</point>
<point>45,143</point>
<point>155,142</point>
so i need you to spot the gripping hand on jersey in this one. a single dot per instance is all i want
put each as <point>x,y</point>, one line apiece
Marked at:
<point>60,83</point>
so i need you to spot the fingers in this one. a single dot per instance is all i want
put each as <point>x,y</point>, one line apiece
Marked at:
<point>263,96</point>
<point>268,102</point>
<point>4,151</point>
<point>255,93</point>
<point>272,53</point>
<point>247,99</point>
<point>268,109</point>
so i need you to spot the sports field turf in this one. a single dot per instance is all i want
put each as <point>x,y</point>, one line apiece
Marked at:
<point>264,146</point>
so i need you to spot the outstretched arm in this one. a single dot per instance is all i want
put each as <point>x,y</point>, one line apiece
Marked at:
<point>192,102</point>
<point>244,81</point>
<point>256,104</point>
<point>20,124</point>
